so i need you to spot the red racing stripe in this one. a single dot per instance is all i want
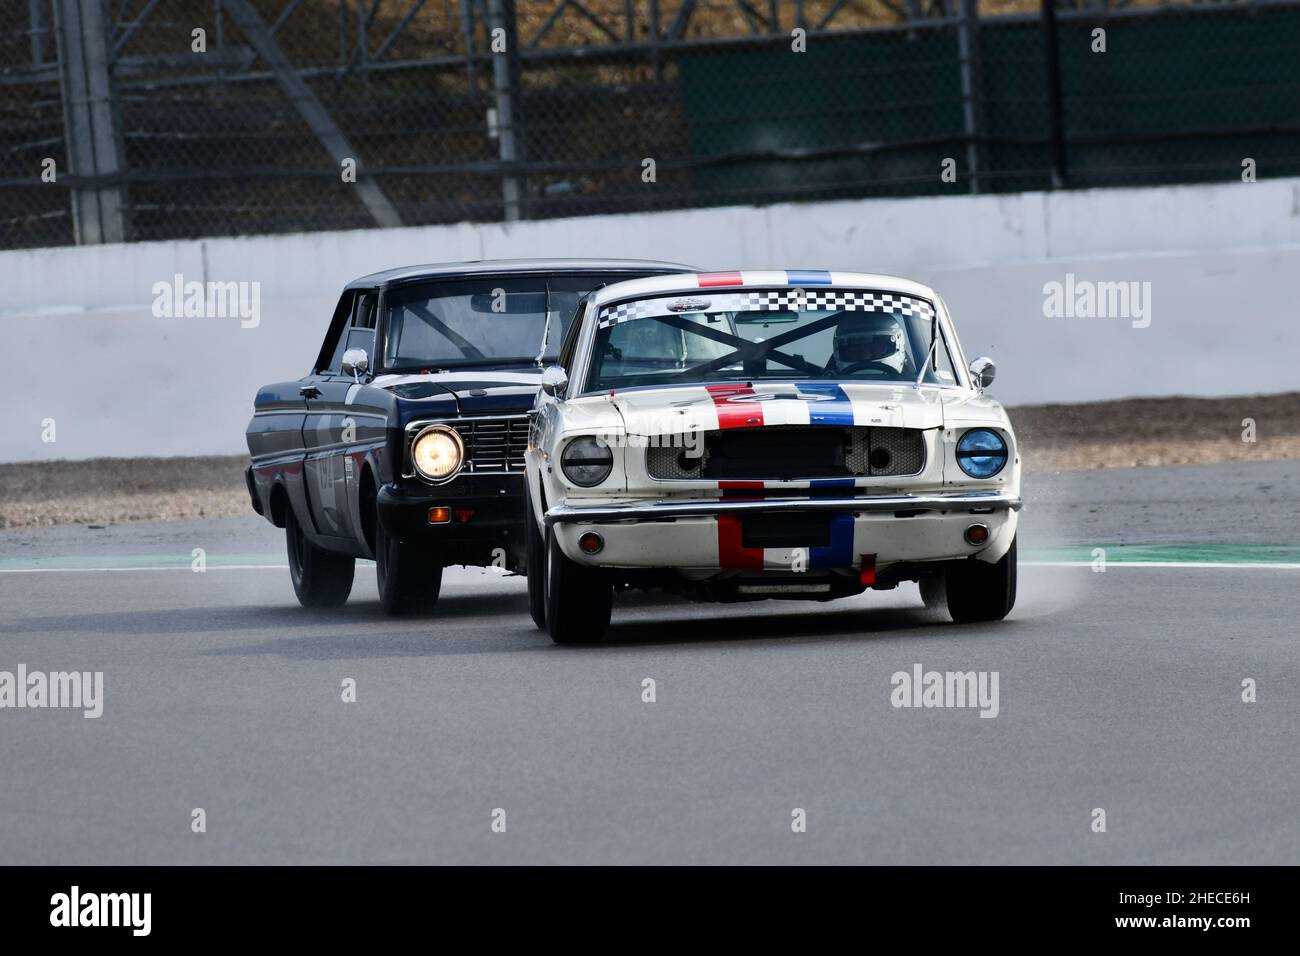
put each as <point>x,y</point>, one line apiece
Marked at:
<point>734,411</point>
<point>740,490</point>
<point>712,279</point>
<point>731,551</point>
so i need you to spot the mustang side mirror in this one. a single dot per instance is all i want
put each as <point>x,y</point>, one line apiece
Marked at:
<point>554,380</point>
<point>982,372</point>
<point>356,363</point>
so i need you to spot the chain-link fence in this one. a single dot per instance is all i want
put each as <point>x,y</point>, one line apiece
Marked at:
<point>157,119</point>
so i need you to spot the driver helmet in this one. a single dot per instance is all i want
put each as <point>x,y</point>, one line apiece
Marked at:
<point>869,337</point>
<point>648,339</point>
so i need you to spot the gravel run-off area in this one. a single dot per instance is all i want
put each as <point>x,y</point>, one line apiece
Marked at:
<point>1054,438</point>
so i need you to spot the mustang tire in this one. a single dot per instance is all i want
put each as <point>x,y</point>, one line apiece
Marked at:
<point>578,598</point>
<point>978,591</point>
<point>934,591</point>
<point>536,559</point>
<point>320,578</point>
<point>409,576</point>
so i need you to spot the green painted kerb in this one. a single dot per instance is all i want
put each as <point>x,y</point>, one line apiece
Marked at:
<point>1181,553</point>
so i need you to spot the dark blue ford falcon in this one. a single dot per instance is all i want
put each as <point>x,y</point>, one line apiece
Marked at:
<point>405,443</point>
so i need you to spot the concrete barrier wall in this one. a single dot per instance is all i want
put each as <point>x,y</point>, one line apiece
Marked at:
<point>84,349</point>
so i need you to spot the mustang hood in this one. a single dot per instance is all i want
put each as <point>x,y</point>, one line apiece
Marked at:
<point>696,408</point>
<point>475,392</point>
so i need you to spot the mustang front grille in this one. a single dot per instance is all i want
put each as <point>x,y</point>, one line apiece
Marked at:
<point>792,453</point>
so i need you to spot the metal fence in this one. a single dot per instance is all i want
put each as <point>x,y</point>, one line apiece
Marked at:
<point>157,119</point>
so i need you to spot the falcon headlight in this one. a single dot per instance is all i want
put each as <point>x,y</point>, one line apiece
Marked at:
<point>437,453</point>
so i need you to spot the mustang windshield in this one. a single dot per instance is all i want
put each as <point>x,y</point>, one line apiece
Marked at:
<point>481,323</point>
<point>831,334</point>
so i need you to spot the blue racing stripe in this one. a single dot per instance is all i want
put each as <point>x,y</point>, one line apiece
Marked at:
<point>832,408</point>
<point>839,553</point>
<point>808,277</point>
<point>832,483</point>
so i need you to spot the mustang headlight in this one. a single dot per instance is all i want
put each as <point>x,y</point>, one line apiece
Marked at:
<point>587,461</point>
<point>437,452</point>
<point>981,453</point>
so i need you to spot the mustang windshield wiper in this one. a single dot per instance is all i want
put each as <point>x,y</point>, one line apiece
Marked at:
<point>934,344</point>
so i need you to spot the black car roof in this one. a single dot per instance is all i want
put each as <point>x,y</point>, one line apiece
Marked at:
<point>481,267</point>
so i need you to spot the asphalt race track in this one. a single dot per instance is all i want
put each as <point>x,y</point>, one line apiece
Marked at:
<point>1119,690</point>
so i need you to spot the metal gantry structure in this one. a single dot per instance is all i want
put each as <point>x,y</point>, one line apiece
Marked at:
<point>93,55</point>
<point>638,26</point>
<point>92,50</point>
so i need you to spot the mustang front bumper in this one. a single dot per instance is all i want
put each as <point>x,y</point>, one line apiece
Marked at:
<point>716,535</point>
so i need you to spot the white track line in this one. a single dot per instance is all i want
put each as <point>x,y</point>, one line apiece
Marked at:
<point>1205,565</point>
<point>1208,565</point>
<point>158,567</point>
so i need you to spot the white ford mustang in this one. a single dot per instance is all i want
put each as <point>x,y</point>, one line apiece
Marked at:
<point>735,436</point>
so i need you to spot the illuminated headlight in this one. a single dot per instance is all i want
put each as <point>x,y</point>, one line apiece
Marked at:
<point>587,461</point>
<point>981,453</point>
<point>437,453</point>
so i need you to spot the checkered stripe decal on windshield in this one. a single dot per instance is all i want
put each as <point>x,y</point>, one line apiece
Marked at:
<point>774,300</point>
<point>625,311</point>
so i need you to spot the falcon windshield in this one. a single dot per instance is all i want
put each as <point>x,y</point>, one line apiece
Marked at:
<point>495,321</point>
<point>753,335</point>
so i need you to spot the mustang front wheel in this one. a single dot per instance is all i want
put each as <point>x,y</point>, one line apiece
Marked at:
<point>320,578</point>
<point>409,576</point>
<point>578,598</point>
<point>978,591</point>
<point>536,559</point>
